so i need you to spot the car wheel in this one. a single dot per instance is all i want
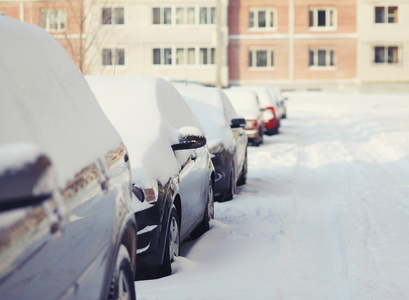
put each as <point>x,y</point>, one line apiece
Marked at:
<point>172,244</point>
<point>122,283</point>
<point>232,185</point>
<point>208,214</point>
<point>243,176</point>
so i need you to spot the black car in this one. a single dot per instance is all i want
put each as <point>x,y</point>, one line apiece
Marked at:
<point>66,226</point>
<point>226,137</point>
<point>172,172</point>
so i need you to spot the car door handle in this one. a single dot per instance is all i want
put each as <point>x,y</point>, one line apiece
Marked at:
<point>194,156</point>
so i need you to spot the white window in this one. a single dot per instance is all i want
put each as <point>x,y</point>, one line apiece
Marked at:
<point>113,15</point>
<point>262,18</point>
<point>183,56</point>
<point>207,56</point>
<point>322,58</point>
<point>322,18</point>
<point>386,14</point>
<point>54,20</point>
<point>162,15</point>
<point>162,56</point>
<point>112,57</point>
<point>386,54</point>
<point>261,58</point>
<point>207,15</point>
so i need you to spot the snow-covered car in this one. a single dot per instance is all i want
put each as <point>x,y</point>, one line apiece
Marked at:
<point>268,105</point>
<point>246,104</point>
<point>281,101</point>
<point>226,137</point>
<point>67,229</point>
<point>172,172</point>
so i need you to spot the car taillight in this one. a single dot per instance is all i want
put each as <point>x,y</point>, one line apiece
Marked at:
<point>251,124</point>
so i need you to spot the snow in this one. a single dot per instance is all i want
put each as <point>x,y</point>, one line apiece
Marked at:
<point>46,101</point>
<point>244,102</point>
<point>324,213</point>
<point>208,105</point>
<point>150,115</point>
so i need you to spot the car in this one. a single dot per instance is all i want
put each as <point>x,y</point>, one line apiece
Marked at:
<point>225,134</point>
<point>172,173</point>
<point>246,104</point>
<point>281,101</point>
<point>268,105</point>
<point>67,228</point>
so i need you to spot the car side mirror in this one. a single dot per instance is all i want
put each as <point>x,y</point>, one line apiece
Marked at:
<point>27,176</point>
<point>189,138</point>
<point>238,123</point>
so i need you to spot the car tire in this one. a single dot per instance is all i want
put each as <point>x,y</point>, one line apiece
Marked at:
<point>122,284</point>
<point>172,244</point>
<point>232,186</point>
<point>243,176</point>
<point>208,214</point>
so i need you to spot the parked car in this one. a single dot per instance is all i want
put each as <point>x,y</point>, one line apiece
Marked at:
<point>268,105</point>
<point>247,105</point>
<point>281,101</point>
<point>225,134</point>
<point>172,172</point>
<point>67,229</point>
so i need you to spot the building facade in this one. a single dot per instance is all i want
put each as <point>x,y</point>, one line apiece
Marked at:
<point>181,40</point>
<point>62,19</point>
<point>383,47</point>
<point>292,41</point>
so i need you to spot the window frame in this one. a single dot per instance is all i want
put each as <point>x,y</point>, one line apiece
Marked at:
<point>45,24</point>
<point>114,51</point>
<point>314,10</point>
<point>184,15</point>
<point>113,16</point>
<point>187,56</point>
<point>256,12</point>
<point>252,63</point>
<point>386,55</point>
<point>328,58</point>
<point>386,14</point>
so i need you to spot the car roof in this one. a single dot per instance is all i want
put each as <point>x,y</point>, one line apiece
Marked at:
<point>214,111</point>
<point>265,95</point>
<point>46,101</point>
<point>245,102</point>
<point>148,113</point>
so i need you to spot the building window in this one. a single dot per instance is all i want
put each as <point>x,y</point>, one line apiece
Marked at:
<point>261,58</point>
<point>262,18</point>
<point>191,56</point>
<point>322,18</point>
<point>162,15</point>
<point>207,56</point>
<point>113,16</point>
<point>386,14</point>
<point>162,56</point>
<point>322,58</point>
<point>207,15</point>
<point>386,54</point>
<point>191,16</point>
<point>54,20</point>
<point>113,57</point>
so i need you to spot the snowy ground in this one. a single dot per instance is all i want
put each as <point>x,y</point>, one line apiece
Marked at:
<point>324,215</point>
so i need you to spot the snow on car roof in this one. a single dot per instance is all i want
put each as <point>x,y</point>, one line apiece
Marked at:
<point>148,113</point>
<point>245,102</point>
<point>208,105</point>
<point>264,95</point>
<point>46,101</point>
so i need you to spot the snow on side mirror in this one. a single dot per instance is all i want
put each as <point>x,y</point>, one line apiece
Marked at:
<point>189,138</point>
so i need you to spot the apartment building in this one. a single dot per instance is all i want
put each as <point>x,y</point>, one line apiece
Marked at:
<point>383,44</point>
<point>292,41</point>
<point>183,40</point>
<point>62,19</point>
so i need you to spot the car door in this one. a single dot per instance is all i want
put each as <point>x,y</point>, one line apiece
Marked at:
<point>193,184</point>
